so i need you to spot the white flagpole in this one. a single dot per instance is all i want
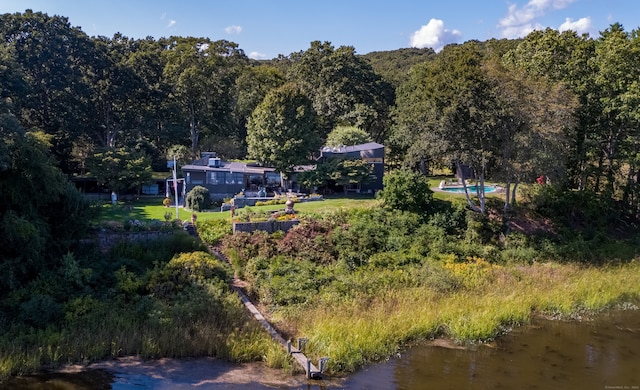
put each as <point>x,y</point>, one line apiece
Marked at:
<point>175,185</point>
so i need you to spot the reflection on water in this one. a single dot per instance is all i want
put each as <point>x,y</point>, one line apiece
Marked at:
<point>599,354</point>
<point>88,380</point>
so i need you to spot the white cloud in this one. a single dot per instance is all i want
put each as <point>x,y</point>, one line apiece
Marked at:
<point>233,30</point>
<point>171,23</point>
<point>521,21</point>
<point>254,55</point>
<point>434,35</point>
<point>581,26</point>
<point>520,30</point>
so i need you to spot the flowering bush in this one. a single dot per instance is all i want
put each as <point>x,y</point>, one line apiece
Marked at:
<point>473,272</point>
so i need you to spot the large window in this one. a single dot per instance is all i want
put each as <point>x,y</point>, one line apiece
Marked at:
<point>234,178</point>
<point>273,179</point>
<point>216,178</point>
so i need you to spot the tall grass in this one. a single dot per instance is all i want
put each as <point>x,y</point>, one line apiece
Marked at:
<point>192,312</point>
<point>370,328</point>
<point>163,332</point>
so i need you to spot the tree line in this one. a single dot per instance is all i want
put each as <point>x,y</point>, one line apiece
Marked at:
<point>558,105</point>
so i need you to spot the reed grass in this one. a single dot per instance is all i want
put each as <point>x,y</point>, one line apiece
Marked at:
<point>225,332</point>
<point>369,329</point>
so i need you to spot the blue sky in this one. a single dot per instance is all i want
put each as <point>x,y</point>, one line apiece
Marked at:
<point>266,28</point>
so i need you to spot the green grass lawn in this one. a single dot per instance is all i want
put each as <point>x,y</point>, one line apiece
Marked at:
<point>152,208</point>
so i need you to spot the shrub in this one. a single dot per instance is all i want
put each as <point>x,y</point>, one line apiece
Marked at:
<point>309,241</point>
<point>481,229</point>
<point>213,231</point>
<point>146,253</point>
<point>285,281</point>
<point>579,210</point>
<point>249,245</point>
<point>473,272</point>
<point>407,191</point>
<point>113,226</point>
<point>41,310</point>
<point>184,270</point>
<point>451,217</point>
<point>198,199</point>
<point>370,231</point>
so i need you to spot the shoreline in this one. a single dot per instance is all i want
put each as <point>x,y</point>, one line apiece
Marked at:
<point>205,371</point>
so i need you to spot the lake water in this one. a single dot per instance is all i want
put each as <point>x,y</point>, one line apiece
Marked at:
<point>599,353</point>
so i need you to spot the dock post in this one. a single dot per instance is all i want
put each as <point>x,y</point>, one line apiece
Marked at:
<point>322,363</point>
<point>302,341</point>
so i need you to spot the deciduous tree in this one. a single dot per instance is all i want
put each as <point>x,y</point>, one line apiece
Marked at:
<point>344,88</point>
<point>347,136</point>
<point>282,131</point>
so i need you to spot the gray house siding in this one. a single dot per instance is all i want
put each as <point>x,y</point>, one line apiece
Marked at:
<point>226,179</point>
<point>371,152</point>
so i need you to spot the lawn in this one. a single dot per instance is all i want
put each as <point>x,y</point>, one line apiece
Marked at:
<point>152,208</point>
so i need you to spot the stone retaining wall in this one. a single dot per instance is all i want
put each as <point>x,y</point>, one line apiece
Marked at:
<point>107,240</point>
<point>267,226</point>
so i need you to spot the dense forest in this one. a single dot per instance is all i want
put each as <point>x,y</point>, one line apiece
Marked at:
<point>553,104</point>
<point>559,107</point>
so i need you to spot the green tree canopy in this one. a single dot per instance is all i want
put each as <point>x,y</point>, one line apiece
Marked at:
<point>533,118</point>
<point>121,169</point>
<point>567,58</point>
<point>349,172</point>
<point>41,213</point>
<point>407,191</point>
<point>54,57</point>
<point>337,171</point>
<point>448,107</point>
<point>202,77</point>
<point>347,136</point>
<point>344,88</point>
<point>282,131</point>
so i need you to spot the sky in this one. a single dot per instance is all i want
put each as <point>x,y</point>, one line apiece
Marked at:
<point>264,29</point>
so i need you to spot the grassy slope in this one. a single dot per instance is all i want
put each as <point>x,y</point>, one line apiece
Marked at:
<point>371,327</point>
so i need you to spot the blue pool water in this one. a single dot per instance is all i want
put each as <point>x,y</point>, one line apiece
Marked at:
<point>471,189</point>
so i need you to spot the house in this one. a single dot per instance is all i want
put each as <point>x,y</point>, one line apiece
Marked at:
<point>370,152</point>
<point>225,179</point>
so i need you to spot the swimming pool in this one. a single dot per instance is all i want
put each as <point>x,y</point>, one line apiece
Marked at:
<point>471,189</point>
